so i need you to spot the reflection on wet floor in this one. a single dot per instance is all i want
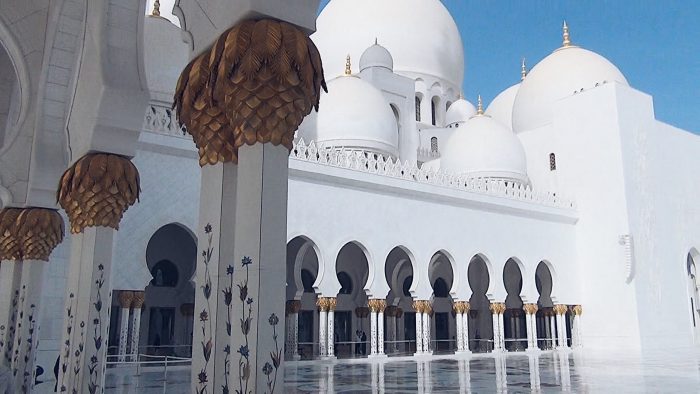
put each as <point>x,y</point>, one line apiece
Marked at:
<point>675,371</point>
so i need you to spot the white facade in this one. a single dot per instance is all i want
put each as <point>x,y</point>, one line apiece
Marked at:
<point>601,212</point>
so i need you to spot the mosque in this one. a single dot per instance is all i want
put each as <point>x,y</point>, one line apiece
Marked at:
<point>558,216</point>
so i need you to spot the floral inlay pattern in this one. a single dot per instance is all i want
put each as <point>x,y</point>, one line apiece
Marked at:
<point>205,322</point>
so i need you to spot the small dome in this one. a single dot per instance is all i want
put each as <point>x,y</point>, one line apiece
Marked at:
<point>557,76</point>
<point>460,111</point>
<point>165,55</point>
<point>501,108</point>
<point>484,148</point>
<point>376,56</point>
<point>421,35</point>
<point>354,114</point>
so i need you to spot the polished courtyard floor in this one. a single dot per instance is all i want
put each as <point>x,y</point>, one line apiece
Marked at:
<point>672,371</point>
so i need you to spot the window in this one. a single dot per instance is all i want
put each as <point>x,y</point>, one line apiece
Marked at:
<point>345,283</point>
<point>434,144</point>
<point>418,102</point>
<point>552,162</point>
<point>433,112</point>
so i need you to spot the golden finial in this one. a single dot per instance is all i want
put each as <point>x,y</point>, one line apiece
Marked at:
<point>461,95</point>
<point>348,69</point>
<point>523,70</point>
<point>156,8</point>
<point>480,106</point>
<point>567,38</point>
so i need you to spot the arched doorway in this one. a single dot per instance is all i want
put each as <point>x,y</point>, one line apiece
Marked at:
<point>480,321</point>
<point>545,313</point>
<point>302,318</point>
<point>443,323</point>
<point>694,292</point>
<point>514,316</point>
<point>171,258</point>
<point>351,331</point>
<point>400,319</point>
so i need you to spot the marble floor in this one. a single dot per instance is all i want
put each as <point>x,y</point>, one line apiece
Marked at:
<point>675,371</point>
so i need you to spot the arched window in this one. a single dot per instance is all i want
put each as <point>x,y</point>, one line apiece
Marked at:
<point>164,274</point>
<point>345,283</point>
<point>440,288</point>
<point>433,110</point>
<point>407,285</point>
<point>434,144</point>
<point>307,279</point>
<point>447,106</point>
<point>418,102</point>
<point>552,162</point>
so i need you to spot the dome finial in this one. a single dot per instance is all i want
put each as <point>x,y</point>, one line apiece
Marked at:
<point>348,67</point>
<point>567,38</point>
<point>376,41</point>
<point>461,95</point>
<point>156,8</point>
<point>523,70</point>
<point>480,106</point>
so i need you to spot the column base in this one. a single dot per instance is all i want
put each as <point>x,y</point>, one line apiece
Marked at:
<point>423,354</point>
<point>463,353</point>
<point>328,358</point>
<point>378,355</point>
<point>533,350</point>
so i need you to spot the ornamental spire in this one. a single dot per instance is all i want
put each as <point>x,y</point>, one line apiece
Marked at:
<point>156,8</point>
<point>523,70</point>
<point>567,37</point>
<point>480,106</point>
<point>348,68</point>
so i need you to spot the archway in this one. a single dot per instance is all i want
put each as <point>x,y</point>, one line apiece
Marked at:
<point>171,257</point>
<point>397,115</point>
<point>694,292</point>
<point>480,321</point>
<point>10,101</point>
<point>351,323</point>
<point>545,313</point>
<point>400,319</point>
<point>443,330</point>
<point>302,318</point>
<point>514,316</point>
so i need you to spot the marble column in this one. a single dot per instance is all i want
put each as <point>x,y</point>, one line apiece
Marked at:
<point>418,307</point>
<point>95,192</point>
<point>380,329</point>
<point>390,313</point>
<point>125,298</point>
<point>322,304</point>
<point>551,324</point>
<point>461,309</point>
<point>377,307</point>
<point>465,327</point>
<point>38,232</point>
<point>373,332</point>
<point>332,302</point>
<point>458,324</point>
<point>292,343</point>
<point>576,329</point>
<point>427,320</point>
<point>530,325</point>
<point>497,310</point>
<point>560,311</point>
<point>137,304</point>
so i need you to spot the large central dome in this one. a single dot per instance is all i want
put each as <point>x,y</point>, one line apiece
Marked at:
<point>421,36</point>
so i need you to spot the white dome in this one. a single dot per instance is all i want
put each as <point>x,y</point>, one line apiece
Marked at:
<point>557,76</point>
<point>501,108</point>
<point>376,56</point>
<point>460,111</point>
<point>420,34</point>
<point>354,114</point>
<point>165,55</point>
<point>484,148</point>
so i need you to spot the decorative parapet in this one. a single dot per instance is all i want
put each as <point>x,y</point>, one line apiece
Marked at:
<point>377,164</point>
<point>162,119</point>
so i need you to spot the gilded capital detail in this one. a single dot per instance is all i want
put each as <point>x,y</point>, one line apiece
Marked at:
<point>125,298</point>
<point>577,310</point>
<point>530,309</point>
<point>461,307</point>
<point>29,233</point>
<point>497,308</point>
<point>560,309</point>
<point>138,299</point>
<point>254,85</point>
<point>10,247</point>
<point>376,305</point>
<point>97,190</point>
<point>292,306</point>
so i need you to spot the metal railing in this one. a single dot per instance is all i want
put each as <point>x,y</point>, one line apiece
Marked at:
<point>148,361</point>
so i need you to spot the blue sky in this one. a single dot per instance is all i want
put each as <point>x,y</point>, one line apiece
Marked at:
<point>655,43</point>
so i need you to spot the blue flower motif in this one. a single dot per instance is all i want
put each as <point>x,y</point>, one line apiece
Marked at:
<point>267,369</point>
<point>249,301</point>
<point>244,351</point>
<point>246,261</point>
<point>229,270</point>
<point>207,229</point>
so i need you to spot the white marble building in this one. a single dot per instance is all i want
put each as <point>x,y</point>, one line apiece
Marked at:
<point>563,195</point>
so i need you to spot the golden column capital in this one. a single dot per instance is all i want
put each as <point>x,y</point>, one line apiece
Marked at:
<point>530,309</point>
<point>332,303</point>
<point>40,231</point>
<point>560,309</point>
<point>577,310</point>
<point>125,298</point>
<point>292,307</point>
<point>97,190</point>
<point>418,306</point>
<point>139,297</point>
<point>254,85</point>
<point>497,308</point>
<point>461,306</point>
<point>376,305</point>
<point>10,246</point>
<point>323,303</point>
